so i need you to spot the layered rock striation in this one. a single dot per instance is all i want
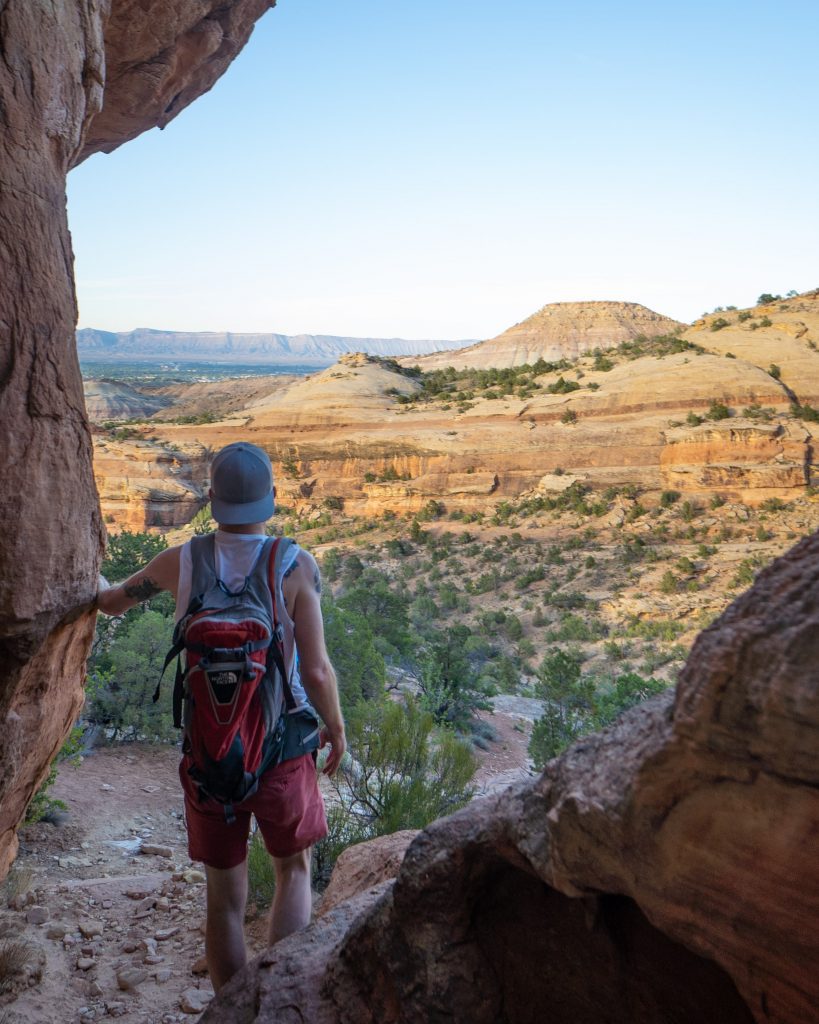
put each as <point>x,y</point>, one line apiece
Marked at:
<point>350,432</point>
<point>661,871</point>
<point>146,486</point>
<point>76,77</point>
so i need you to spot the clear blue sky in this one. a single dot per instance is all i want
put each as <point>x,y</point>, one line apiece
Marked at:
<point>443,168</point>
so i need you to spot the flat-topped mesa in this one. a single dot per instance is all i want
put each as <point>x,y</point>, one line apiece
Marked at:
<point>559,330</point>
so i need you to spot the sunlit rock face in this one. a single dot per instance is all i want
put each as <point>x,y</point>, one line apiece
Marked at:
<point>662,871</point>
<point>145,486</point>
<point>76,77</point>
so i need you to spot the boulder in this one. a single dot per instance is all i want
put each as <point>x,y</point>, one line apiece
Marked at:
<point>363,866</point>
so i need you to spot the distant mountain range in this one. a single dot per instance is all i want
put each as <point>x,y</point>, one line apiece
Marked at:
<point>146,344</point>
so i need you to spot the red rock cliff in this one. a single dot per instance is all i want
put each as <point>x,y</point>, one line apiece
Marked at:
<point>75,78</point>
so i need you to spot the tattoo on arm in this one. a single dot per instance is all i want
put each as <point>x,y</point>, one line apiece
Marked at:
<point>317,580</point>
<point>295,565</point>
<point>143,590</point>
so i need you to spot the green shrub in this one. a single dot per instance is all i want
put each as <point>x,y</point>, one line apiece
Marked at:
<point>42,804</point>
<point>562,386</point>
<point>747,570</point>
<point>655,629</point>
<point>449,687</point>
<point>766,322</point>
<point>261,875</point>
<point>203,521</point>
<point>129,552</point>
<point>123,677</point>
<point>625,692</point>
<point>775,371</point>
<point>719,323</point>
<point>758,412</point>
<point>331,564</point>
<point>405,774</point>
<point>635,512</point>
<point>669,583</point>
<point>718,411</point>
<point>567,705</point>
<point>576,629</point>
<point>669,498</point>
<point>805,412</point>
<point>359,665</point>
<point>692,419</point>
<point>569,416</point>
<point>746,314</point>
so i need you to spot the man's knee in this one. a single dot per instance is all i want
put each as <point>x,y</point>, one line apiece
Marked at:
<point>227,889</point>
<point>293,866</point>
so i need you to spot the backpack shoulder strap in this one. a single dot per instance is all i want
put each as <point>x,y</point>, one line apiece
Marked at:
<point>280,547</point>
<point>283,545</point>
<point>203,563</point>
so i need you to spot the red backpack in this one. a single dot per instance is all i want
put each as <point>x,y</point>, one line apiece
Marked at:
<point>240,716</point>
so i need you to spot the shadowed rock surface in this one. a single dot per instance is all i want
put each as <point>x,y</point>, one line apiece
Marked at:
<point>160,56</point>
<point>662,871</point>
<point>56,107</point>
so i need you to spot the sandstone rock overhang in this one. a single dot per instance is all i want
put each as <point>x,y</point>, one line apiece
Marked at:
<point>662,871</point>
<point>76,77</point>
<point>160,57</point>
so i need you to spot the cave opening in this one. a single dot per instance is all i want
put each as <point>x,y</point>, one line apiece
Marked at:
<point>596,961</point>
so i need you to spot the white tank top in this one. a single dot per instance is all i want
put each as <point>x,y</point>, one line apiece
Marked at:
<point>235,556</point>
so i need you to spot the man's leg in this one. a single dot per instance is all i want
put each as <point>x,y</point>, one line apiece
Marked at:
<point>224,931</point>
<point>293,902</point>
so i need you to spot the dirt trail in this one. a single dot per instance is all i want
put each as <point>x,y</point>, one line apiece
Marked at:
<point>116,930</point>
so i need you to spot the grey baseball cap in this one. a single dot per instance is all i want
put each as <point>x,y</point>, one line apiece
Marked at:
<point>241,480</point>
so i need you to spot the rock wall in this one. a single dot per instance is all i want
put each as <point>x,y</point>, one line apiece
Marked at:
<point>749,460</point>
<point>663,871</point>
<point>55,109</point>
<point>145,486</point>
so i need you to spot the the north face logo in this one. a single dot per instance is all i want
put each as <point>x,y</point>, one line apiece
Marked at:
<point>223,685</point>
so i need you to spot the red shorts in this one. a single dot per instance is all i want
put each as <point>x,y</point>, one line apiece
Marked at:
<point>287,806</point>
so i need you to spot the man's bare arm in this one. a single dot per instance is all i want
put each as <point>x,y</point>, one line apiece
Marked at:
<point>161,573</point>
<point>304,589</point>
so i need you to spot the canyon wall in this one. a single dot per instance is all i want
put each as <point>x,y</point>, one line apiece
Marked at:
<point>145,486</point>
<point>76,77</point>
<point>660,872</point>
<point>353,433</point>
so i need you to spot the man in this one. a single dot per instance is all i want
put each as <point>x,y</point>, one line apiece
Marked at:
<point>288,806</point>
